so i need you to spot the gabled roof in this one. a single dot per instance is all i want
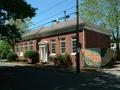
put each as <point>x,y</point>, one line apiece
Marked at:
<point>61,28</point>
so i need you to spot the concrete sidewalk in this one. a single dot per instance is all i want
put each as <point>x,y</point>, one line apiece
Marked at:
<point>115,70</point>
<point>13,64</point>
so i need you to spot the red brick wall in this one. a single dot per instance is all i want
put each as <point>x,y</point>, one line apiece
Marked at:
<point>23,45</point>
<point>68,38</point>
<point>92,40</point>
<point>96,40</point>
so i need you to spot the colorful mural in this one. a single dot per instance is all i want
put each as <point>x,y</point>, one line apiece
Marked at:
<point>91,58</point>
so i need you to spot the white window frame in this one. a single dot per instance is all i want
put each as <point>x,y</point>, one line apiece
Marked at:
<point>21,50</point>
<point>28,46</point>
<point>61,45</point>
<point>73,39</point>
<point>53,42</point>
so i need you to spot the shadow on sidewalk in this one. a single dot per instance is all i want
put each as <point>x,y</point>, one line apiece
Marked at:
<point>34,78</point>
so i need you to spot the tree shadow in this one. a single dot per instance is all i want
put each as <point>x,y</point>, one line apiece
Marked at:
<point>30,78</point>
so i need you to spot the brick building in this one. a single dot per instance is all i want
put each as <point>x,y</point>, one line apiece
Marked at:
<point>60,38</point>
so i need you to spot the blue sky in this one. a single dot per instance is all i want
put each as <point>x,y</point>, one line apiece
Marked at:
<point>46,10</point>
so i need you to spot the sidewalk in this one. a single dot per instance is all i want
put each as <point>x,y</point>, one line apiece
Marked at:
<point>13,64</point>
<point>115,70</point>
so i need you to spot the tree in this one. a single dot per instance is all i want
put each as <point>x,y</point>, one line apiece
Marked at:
<point>4,49</point>
<point>105,13</point>
<point>12,13</point>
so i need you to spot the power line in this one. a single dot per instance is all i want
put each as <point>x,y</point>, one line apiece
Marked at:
<point>52,7</point>
<point>52,21</point>
<point>55,14</point>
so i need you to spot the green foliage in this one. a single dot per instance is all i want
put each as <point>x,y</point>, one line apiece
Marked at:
<point>4,49</point>
<point>22,25</point>
<point>14,15</point>
<point>60,59</point>
<point>12,57</point>
<point>105,13</point>
<point>34,55</point>
<point>63,59</point>
<point>102,12</point>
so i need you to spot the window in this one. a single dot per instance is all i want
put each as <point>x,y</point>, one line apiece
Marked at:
<point>73,44</point>
<point>21,49</point>
<point>30,43</point>
<point>26,48</point>
<point>31,47</point>
<point>62,43</point>
<point>17,50</point>
<point>52,46</point>
<point>25,43</point>
<point>21,44</point>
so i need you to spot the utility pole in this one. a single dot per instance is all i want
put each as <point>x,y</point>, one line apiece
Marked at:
<point>77,39</point>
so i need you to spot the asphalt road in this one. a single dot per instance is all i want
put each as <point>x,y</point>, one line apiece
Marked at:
<point>30,78</point>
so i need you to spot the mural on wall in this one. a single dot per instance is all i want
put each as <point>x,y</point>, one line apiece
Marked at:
<point>91,58</point>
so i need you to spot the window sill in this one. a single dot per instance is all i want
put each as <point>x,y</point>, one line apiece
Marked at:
<point>73,54</point>
<point>52,54</point>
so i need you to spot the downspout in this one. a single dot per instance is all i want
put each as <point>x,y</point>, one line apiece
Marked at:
<point>83,46</point>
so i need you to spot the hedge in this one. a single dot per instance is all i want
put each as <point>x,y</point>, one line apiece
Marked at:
<point>12,57</point>
<point>32,55</point>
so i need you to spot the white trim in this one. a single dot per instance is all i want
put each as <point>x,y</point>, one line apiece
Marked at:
<point>42,42</point>
<point>21,53</point>
<point>73,54</point>
<point>53,54</point>
<point>21,48</point>
<point>43,51</point>
<point>72,39</point>
<point>60,45</point>
<point>51,46</point>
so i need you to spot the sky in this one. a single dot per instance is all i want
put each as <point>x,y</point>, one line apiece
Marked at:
<point>48,10</point>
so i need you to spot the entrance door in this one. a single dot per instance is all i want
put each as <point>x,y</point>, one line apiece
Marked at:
<point>43,53</point>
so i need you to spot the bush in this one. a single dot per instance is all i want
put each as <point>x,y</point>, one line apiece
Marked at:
<point>12,57</point>
<point>4,49</point>
<point>67,60</point>
<point>63,59</point>
<point>32,56</point>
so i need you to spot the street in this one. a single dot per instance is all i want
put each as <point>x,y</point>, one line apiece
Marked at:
<point>30,78</point>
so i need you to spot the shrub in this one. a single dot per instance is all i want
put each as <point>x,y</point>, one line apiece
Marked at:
<point>63,59</point>
<point>4,49</point>
<point>59,59</point>
<point>32,55</point>
<point>12,57</point>
<point>53,59</point>
<point>67,60</point>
